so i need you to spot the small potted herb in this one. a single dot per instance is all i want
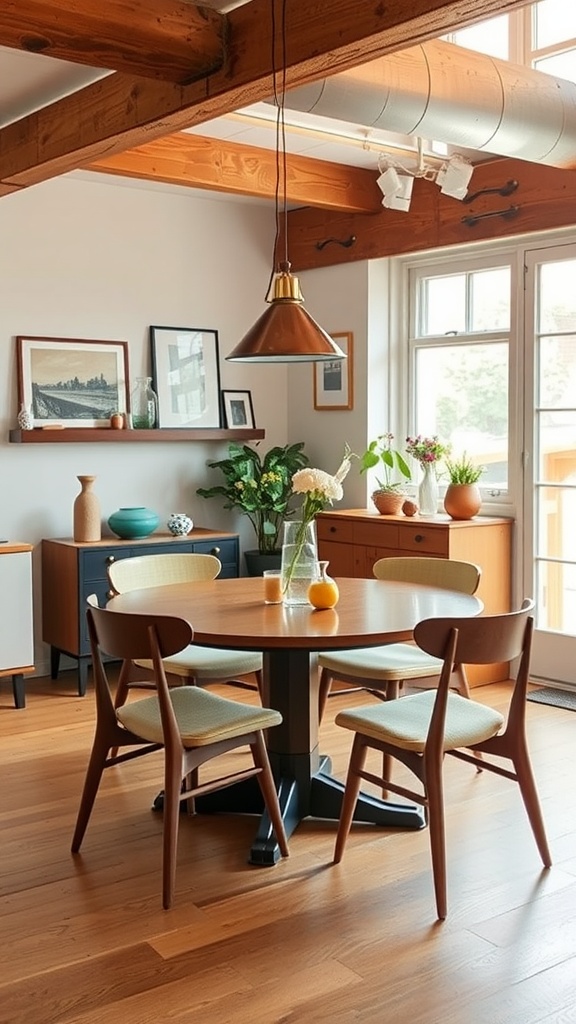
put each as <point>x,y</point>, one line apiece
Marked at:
<point>389,496</point>
<point>462,499</point>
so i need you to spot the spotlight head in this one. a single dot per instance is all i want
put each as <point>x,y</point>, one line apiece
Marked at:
<point>400,200</point>
<point>389,182</point>
<point>454,177</point>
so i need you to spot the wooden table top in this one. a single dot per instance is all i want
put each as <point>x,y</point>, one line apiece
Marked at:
<point>232,613</point>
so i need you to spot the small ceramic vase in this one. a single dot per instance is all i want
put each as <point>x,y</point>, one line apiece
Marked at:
<point>179,524</point>
<point>133,523</point>
<point>25,418</point>
<point>87,521</point>
<point>323,592</point>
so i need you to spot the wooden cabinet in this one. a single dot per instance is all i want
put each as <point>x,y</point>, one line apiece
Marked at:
<point>71,571</point>
<point>352,540</point>
<point>16,639</point>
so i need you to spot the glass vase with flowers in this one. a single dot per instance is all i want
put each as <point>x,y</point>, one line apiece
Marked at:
<point>428,451</point>
<point>299,550</point>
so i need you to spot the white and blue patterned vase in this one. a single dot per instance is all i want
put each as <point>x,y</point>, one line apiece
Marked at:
<point>179,524</point>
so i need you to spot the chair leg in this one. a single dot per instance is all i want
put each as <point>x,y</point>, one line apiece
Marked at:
<point>172,791</point>
<point>96,766</point>
<point>434,793</point>
<point>260,684</point>
<point>532,803</point>
<point>268,790</point>
<point>323,691</point>
<point>357,760</point>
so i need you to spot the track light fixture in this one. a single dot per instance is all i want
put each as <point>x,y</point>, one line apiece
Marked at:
<point>396,181</point>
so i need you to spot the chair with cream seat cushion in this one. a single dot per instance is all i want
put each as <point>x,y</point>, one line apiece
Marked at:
<point>383,670</point>
<point>196,665</point>
<point>191,725</point>
<point>420,729</point>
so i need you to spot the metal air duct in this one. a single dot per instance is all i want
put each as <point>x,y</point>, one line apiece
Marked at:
<point>441,91</point>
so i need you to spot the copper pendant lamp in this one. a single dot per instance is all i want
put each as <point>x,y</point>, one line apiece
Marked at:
<point>285,332</point>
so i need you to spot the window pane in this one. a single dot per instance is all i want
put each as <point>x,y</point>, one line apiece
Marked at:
<point>557,310</point>
<point>553,22</point>
<point>557,447</point>
<point>462,395</point>
<point>561,65</point>
<point>489,36</point>
<point>490,298</point>
<point>556,604</point>
<point>443,305</point>
<point>557,372</point>
<point>556,516</point>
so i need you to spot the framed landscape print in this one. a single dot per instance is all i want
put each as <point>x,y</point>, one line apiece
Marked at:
<point>186,372</point>
<point>71,381</point>
<point>334,378</point>
<point>238,409</point>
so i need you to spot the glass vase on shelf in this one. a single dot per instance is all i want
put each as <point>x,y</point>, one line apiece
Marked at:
<point>144,404</point>
<point>428,490</point>
<point>299,561</point>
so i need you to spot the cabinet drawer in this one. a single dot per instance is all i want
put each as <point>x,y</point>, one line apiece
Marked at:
<point>95,563</point>
<point>224,549</point>
<point>341,530</point>
<point>378,533</point>
<point>421,540</point>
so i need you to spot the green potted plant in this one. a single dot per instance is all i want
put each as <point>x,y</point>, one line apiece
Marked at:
<point>462,499</point>
<point>261,488</point>
<point>389,496</point>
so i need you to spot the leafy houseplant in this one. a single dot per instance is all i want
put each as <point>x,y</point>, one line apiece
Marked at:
<point>389,495</point>
<point>261,487</point>
<point>462,499</point>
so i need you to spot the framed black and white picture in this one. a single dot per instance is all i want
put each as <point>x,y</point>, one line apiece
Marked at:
<point>72,382</point>
<point>186,374</point>
<point>238,409</point>
<point>334,378</point>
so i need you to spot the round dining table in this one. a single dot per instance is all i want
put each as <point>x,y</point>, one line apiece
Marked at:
<point>232,613</point>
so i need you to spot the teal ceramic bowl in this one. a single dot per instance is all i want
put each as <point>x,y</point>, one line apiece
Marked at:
<point>133,523</point>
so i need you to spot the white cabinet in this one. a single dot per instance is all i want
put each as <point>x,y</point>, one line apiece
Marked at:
<point>16,625</point>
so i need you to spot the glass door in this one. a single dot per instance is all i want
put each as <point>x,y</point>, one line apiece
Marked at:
<point>550,458</point>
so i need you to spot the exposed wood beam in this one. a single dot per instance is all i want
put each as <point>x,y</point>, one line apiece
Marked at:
<point>166,39</point>
<point>545,199</point>
<point>199,162</point>
<point>120,112</point>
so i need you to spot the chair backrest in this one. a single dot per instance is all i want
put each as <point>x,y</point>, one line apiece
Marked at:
<point>158,570</point>
<point>448,573</point>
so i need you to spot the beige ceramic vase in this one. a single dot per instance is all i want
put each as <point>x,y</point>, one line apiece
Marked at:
<point>87,517</point>
<point>462,501</point>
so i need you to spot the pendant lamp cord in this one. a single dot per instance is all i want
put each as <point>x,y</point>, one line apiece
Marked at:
<point>279,86</point>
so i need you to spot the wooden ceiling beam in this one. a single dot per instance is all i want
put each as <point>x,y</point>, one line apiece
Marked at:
<point>119,112</point>
<point>166,39</point>
<point>198,162</point>
<point>545,199</point>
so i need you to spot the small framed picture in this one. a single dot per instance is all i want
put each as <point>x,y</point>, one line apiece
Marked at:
<point>238,410</point>
<point>334,379</point>
<point>186,373</point>
<point>72,382</point>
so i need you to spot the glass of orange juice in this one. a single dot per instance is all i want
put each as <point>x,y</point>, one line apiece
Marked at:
<point>272,586</point>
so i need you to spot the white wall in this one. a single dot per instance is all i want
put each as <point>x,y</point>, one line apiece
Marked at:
<point>87,257</point>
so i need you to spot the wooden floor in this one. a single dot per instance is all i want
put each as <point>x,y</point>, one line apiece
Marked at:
<point>85,939</point>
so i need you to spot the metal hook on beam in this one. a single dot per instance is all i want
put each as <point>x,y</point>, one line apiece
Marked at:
<point>473,218</point>
<point>345,243</point>
<point>506,190</point>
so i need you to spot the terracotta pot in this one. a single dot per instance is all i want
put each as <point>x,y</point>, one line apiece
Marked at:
<point>462,501</point>
<point>388,503</point>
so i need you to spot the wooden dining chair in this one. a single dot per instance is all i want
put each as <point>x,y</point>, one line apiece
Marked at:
<point>191,725</point>
<point>419,730</point>
<point>384,670</point>
<point>197,665</point>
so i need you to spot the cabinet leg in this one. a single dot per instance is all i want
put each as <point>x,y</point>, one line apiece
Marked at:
<point>54,662</point>
<point>83,664</point>
<point>18,690</point>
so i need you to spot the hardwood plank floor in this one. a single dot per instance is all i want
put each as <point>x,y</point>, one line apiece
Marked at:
<point>84,939</point>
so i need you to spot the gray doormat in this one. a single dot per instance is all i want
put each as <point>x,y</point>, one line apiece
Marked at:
<point>556,698</point>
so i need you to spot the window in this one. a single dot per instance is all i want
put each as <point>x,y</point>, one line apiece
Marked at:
<point>459,347</point>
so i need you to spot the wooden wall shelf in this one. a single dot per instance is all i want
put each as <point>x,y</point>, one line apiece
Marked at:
<point>88,435</point>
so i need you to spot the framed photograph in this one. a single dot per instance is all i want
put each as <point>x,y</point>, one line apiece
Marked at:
<point>186,372</point>
<point>334,379</point>
<point>238,409</point>
<point>75,382</point>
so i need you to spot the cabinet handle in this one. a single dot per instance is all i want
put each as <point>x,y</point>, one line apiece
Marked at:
<point>332,529</point>
<point>110,559</point>
<point>215,551</point>
<point>110,593</point>
<point>419,538</point>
